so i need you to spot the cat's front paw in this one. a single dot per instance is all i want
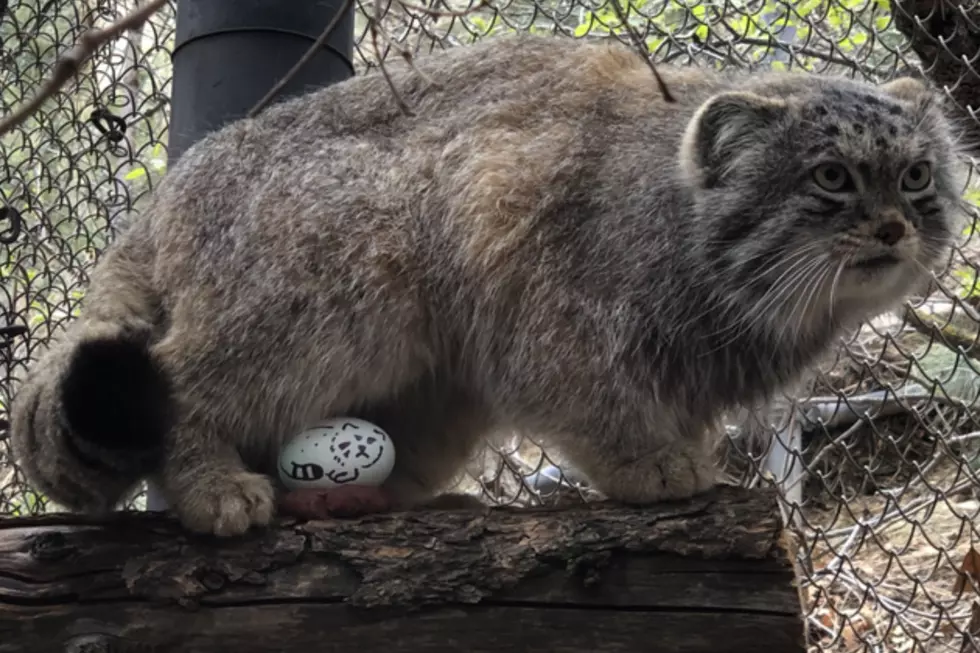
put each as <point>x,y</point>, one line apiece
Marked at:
<point>227,504</point>
<point>678,472</point>
<point>685,473</point>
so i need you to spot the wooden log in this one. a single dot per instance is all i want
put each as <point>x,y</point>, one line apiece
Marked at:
<point>710,574</point>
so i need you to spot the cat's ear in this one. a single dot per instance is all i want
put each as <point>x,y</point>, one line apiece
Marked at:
<point>907,88</point>
<point>721,131</point>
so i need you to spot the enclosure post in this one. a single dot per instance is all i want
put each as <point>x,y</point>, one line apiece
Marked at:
<point>228,54</point>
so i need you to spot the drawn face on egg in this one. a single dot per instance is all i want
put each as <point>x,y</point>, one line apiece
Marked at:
<point>355,450</point>
<point>339,452</point>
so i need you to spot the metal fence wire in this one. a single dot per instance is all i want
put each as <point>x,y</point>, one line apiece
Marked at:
<point>876,455</point>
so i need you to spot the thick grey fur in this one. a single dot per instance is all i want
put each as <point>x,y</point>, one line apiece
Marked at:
<point>546,245</point>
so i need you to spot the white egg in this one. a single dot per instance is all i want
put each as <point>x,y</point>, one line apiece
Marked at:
<point>335,452</point>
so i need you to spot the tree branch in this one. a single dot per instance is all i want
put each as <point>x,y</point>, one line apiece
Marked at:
<point>643,50</point>
<point>307,56</point>
<point>69,64</point>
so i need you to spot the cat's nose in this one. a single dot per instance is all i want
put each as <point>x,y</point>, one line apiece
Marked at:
<point>891,230</point>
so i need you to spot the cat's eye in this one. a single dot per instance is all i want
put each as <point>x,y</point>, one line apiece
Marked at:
<point>833,177</point>
<point>918,177</point>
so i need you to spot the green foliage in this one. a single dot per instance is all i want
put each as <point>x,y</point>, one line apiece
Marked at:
<point>24,503</point>
<point>157,163</point>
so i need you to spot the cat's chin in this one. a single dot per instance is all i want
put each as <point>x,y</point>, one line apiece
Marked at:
<point>870,290</point>
<point>875,274</point>
<point>880,263</point>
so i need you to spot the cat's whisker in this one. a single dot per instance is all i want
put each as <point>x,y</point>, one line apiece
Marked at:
<point>757,308</point>
<point>798,295</point>
<point>802,251</point>
<point>816,287</point>
<point>926,271</point>
<point>833,287</point>
<point>790,287</point>
<point>777,295</point>
<point>795,256</point>
<point>794,318</point>
<point>799,260</point>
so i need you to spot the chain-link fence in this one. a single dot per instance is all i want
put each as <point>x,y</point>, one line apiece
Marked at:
<point>876,455</point>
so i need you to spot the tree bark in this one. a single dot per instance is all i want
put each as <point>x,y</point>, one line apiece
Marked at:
<point>714,573</point>
<point>942,34</point>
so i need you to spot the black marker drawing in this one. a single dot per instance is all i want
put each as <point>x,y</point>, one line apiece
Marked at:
<point>350,452</point>
<point>337,476</point>
<point>304,472</point>
<point>368,449</point>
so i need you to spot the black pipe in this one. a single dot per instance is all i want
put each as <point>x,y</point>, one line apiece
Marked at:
<point>228,54</point>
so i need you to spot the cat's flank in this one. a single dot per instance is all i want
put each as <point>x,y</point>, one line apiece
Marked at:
<point>546,246</point>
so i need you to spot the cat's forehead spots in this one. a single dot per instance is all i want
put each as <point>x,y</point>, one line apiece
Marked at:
<point>861,123</point>
<point>858,111</point>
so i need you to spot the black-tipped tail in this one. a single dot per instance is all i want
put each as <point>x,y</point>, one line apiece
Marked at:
<point>118,403</point>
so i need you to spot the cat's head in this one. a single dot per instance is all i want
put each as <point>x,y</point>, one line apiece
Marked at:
<point>822,197</point>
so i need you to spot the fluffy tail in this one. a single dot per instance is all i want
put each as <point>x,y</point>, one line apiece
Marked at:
<point>116,401</point>
<point>93,416</point>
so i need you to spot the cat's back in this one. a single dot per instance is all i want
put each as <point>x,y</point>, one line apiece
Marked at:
<point>363,140</point>
<point>518,79</point>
